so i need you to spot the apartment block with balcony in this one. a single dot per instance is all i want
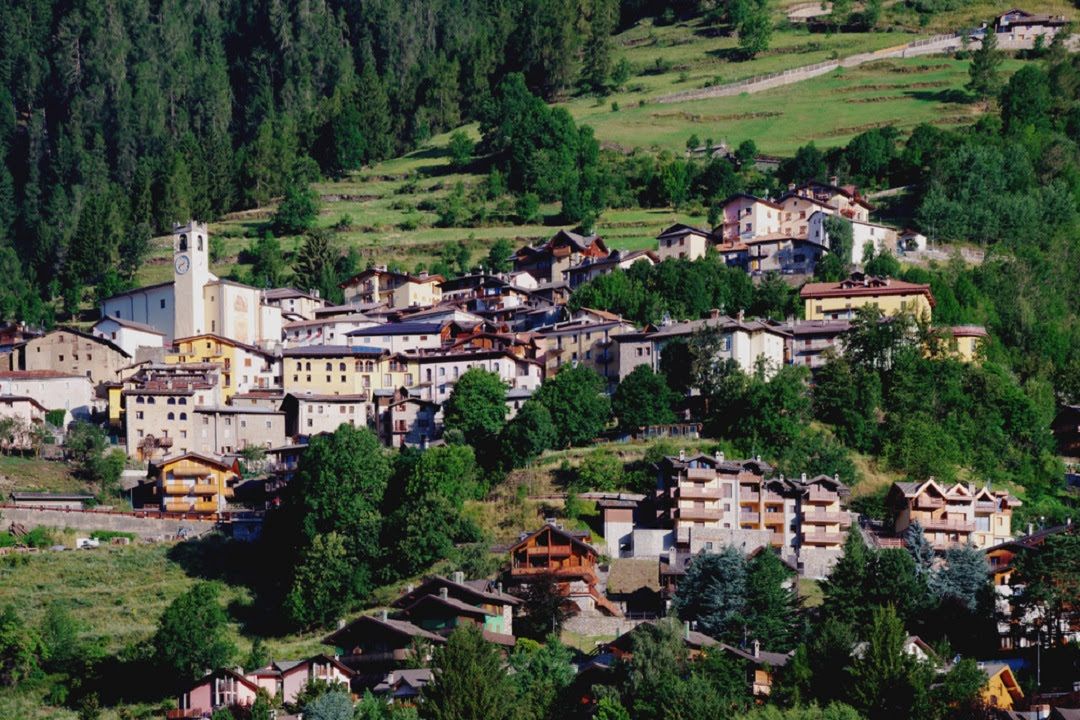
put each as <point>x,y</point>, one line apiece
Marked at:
<point>839,301</point>
<point>193,482</point>
<point>710,501</point>
<point>398,290</point>
<point>746,216</point>
<point>589,343</point>
<point>338,370</point>
<point>953,515</point>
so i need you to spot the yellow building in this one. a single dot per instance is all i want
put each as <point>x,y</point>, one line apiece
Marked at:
<point>1001,691</point>
<point>193,482</point>
<point>243,367</point>
<point>839,301</point>
<point>339,370</point>
<point>966,342</point>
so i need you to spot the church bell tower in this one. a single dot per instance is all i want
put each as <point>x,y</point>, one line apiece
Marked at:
<point>191,273</point>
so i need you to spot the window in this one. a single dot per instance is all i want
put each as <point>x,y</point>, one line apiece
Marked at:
<point>172,416</point>
<point>243,423</point>
<point>387,380</point>
<point>163,303</point>
<point>61,357</point>
<point>183,434</point>
<point>341,367</point>
<point>308,366</point>
<point>268,424</point>
<point>343,378</point>
<point>139,400</point>
<point>183,401</point>
<point>183,416</point>
<point>299,366</point>
<point>138,415</point>
<point>329,367</point>
<point>228,421</point>
<point>149,401</point>
<point>171,401</point>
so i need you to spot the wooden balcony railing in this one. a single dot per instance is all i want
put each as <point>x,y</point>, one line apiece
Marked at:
<point>823,539</point>
<point>749,497</point>
<point>696,514</point>
<point>949,525</point>
<point>827,517</point>
<point>750,517</point>
<point>695,493</point>
<point>929,503</point>
<point>700,474</point>
<point>398,655</point>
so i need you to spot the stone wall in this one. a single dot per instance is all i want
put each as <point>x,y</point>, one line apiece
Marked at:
<point>593,625</point>
<point>89,520</point>
<point>818,562</point>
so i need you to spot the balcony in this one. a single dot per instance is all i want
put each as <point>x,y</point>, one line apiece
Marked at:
<point>178,714</point>
<point>700,474</point>
<point>754,518</point>
<point>827,518</point>
<point>572,572</point>
<point>823,539</point>
<point>176,489</point>
<point>695,514</point>
<point>368,658</point>
<point>695,493</point>
<point>776,539</point>
<point>548,551</point>
<point>929,503</point>
<point>749,497</point>
<point>771,497</point>
<point>943,525</point>
<point>986,506</point>
<point>187,472</point>
<point>821,496</point>
<point>205,507</point>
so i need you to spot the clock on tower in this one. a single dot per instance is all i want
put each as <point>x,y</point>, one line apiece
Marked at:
<point>182,264</point>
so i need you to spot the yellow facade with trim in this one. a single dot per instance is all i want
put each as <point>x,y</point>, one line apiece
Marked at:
<point>318,374</point>
<point>193,483</point>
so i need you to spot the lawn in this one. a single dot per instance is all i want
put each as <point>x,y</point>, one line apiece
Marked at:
<point>33,474</point>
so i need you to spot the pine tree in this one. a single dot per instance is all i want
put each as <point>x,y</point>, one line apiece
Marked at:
<point>887,683</point>
<point>320,589</point>
<point>922,552</point>
<point>984,71</point>
<point>597,49</point>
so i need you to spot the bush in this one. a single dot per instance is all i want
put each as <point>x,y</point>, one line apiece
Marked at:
<point>107,535</point>
<point>56,417</point>
<point>600,470</point>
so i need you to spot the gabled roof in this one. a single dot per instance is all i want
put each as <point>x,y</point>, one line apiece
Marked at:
<point>574,540</point>
<point>284,667</point>
<point>415,679</point>
<point>681,229</point>
<point>142,327</point>
<point>995,669</point>
<point>762,657</point>
<point>859,284</point>
<point>691,638</point>
<point>465,589</point>
<point>444,604</point>
<point>136,291</point>
<point>231,673</point>
<point>403,328</point>
<point>75,331</point>
<point>719,462</point>
<point>746,196</point>
<point>403,628</point>
<point>12,399</point>
<point>207,459</point>
<point>222,340</point>
<point>392,273</point>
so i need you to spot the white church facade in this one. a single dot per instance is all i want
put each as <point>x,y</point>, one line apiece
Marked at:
<point>198,302</point>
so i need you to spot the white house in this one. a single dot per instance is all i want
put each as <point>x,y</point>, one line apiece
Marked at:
<point>52,390</point>
<point>128,334</point>
<point>881,237</point>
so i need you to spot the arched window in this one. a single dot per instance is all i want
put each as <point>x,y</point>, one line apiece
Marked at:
<point>183,401</point>
<point>183,416</point>
<point>171,401</point>
<point>370,367</point>
<point>299,366</point>
<point>172,416</point>
<point>149,401</point>
<point>308,366</point>
<point>342,367</point>
<point>329,367</point>
<point>140,400</point>
<point>183,243</point>
<point>199,240</point>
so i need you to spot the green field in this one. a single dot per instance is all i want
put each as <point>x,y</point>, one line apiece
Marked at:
<point>390,207</point>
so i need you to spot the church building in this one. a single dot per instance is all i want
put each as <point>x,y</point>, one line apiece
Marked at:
<point>197,302</point>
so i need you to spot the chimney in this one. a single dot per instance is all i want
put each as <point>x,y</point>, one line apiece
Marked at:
<point>384,615</point>
<point>1031,528</point>
<point>757,649</point>
<point>791,187</point>
<point>717,456</point>
<point>836,477</point>
<point>341,623</point>
<point>686,629</point>
<point>720,456</point>
<point>409,588</point>
<point>740,315</point>
<point>834,180</point>
<point>804,477</point>
<point>444,594</point>
<point>390,678</point>
<point>498,588</point>
<point>714,314</point>
<point>673,557</point>
<point>458,577</point>
<point>757,458</point>
<point>682,456</point>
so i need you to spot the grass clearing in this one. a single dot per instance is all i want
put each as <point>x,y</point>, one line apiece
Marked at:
<point>34,474</point>
<point>811,593</point>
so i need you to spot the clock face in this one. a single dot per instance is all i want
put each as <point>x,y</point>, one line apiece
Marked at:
<point>182,264</point>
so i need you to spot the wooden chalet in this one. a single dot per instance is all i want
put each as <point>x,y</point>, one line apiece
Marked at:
<point>379,643</point>
<point>565,556</point>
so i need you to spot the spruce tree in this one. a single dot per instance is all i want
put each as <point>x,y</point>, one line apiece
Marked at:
<point>844,588</point>
<point>772,612</point>
<point>984,71</point>
<point>922,552</point>
<point>714,594</point>
<point>374,115</point>
<point>963,576</point>
<point>469,682</point>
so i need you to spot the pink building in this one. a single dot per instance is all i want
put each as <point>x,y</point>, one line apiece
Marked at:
<point>286,678</point>
<point>221,688</point>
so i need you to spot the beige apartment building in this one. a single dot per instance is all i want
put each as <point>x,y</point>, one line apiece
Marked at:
<point>953,515</point>
<point>75,353</point>
<point>398,290</point>
<point>592,344</point>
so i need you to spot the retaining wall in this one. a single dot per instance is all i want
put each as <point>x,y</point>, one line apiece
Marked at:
<point>90,520</point>
<point>600,625</point>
